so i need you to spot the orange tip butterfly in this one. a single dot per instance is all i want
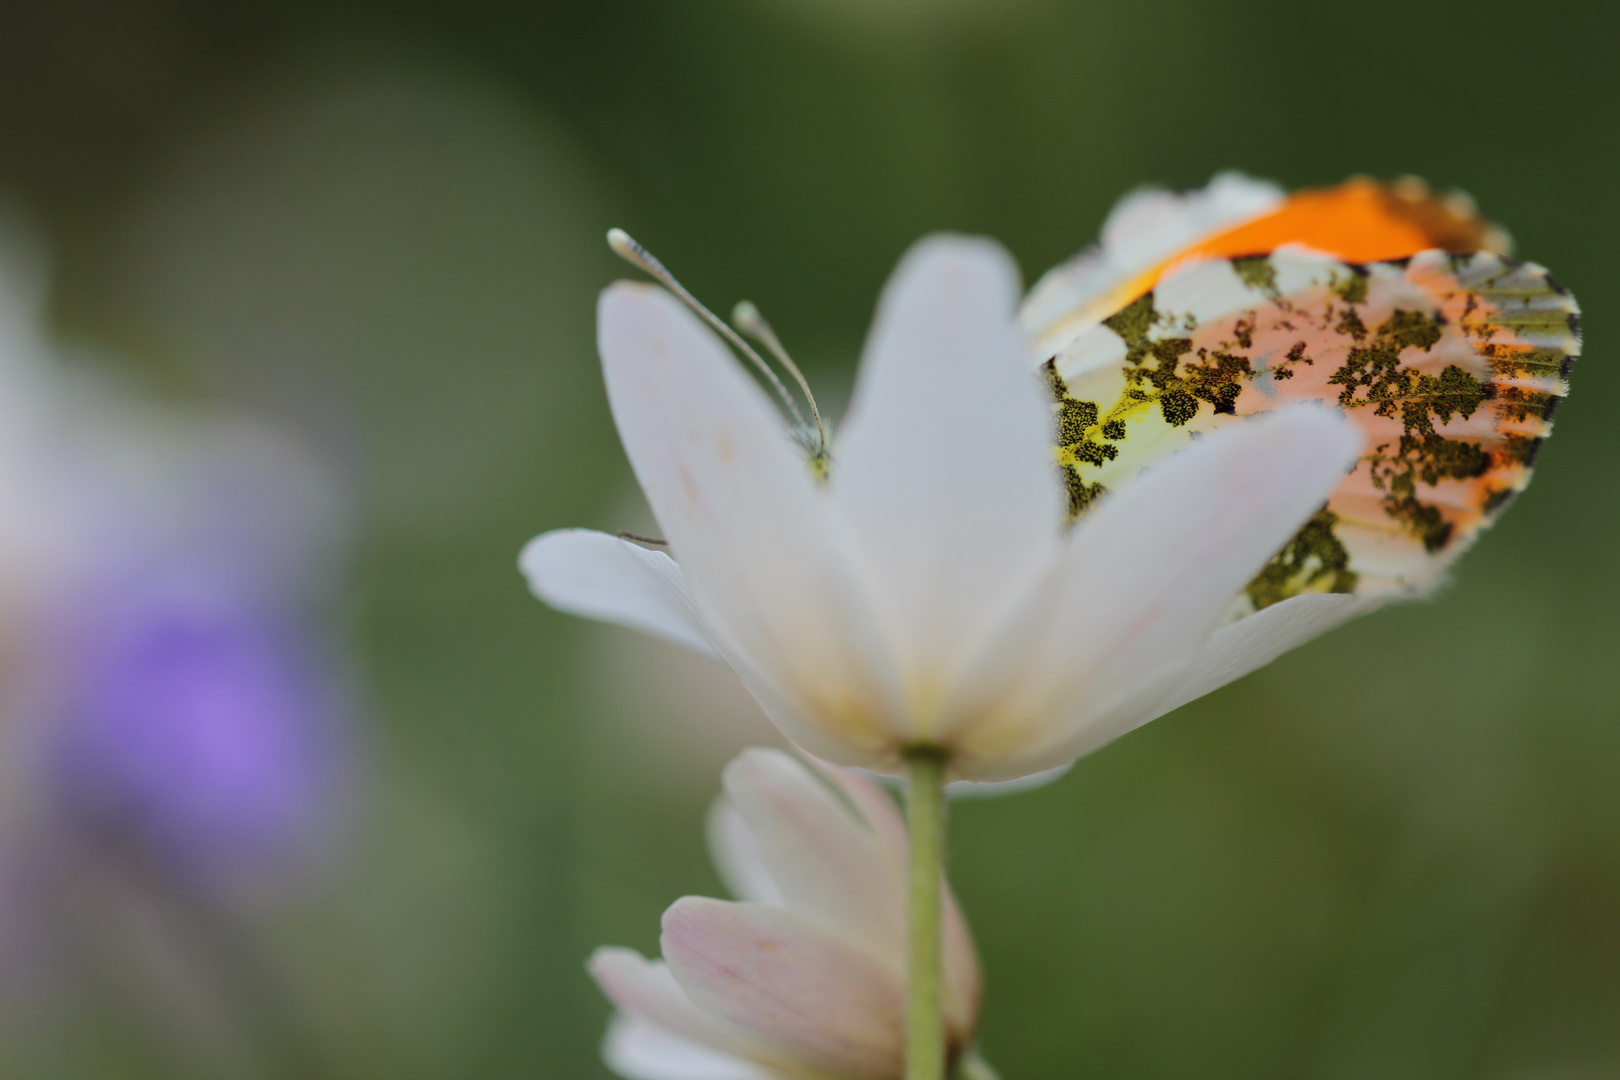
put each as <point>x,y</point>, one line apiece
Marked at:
<point>1392,303</point>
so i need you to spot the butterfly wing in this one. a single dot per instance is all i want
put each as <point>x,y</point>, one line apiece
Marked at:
<point>1146,228</point>
<point>1451,364</point>
<point>1152,231</point>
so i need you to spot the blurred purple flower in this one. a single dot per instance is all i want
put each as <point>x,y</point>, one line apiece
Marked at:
<point>178,752</point>
<point>204,732</point>
<point>167,694</point>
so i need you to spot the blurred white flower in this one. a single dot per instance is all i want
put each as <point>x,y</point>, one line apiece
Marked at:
<point>926,593</point>
<point>804,977</point>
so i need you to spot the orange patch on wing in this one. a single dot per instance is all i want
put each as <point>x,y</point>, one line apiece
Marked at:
<point>1360,221</point>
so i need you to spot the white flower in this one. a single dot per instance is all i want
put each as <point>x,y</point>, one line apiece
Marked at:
<point>804,979</point>
<point>926,593</point>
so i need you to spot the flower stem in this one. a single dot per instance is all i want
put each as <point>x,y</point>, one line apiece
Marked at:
<point>925,1006</point>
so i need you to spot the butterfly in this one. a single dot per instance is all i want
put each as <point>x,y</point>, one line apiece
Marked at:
<point>1388,301</point>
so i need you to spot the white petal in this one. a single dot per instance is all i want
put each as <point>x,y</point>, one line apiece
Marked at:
<point>1256,640</point>
<point>1229,654</point>
<point>789,984</point>
<point>1148,575</point>
<point>764,561</point>
<point>964,988</point>
<point>1102,722</point>
<point>737,857</point>
<point>1145,228</point>
<point>973,789</point>
<point>1156,571</point>
<point>945,467</point>
<point>641,1050</point>
<point>603,577</point>
<point>837,842</point>
<point>828,864</point>
<point>647,989</point>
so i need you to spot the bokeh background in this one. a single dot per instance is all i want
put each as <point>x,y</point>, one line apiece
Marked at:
<point>375,230</point>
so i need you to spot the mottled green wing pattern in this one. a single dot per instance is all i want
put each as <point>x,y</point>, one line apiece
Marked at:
<point>1451,365</point>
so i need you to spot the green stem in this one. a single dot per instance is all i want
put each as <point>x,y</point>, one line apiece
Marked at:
<point>925,1006</point>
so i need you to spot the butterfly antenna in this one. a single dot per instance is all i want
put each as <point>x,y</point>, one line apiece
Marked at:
<point>751,322</point>
<point>626,248</point>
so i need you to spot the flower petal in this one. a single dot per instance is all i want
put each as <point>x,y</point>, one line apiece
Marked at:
<point>974,789</point>
<point>647,989</point>
<point>638,1049</point>
<point>1229,654</point>
<point>765,562</point>
<point>964,982</point>
<point>790,984</point>
<point>736,856</point>
<point>1102,721</point>
<point>604,577</point>
<point>1146,578</point>
<point>827,863</point>
<point>1256,640</point>
<point>945,466</point>
<point>1152,575</point>
<point>852,880</point>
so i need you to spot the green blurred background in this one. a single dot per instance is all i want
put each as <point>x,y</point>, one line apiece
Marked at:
<point>1393,854</point>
